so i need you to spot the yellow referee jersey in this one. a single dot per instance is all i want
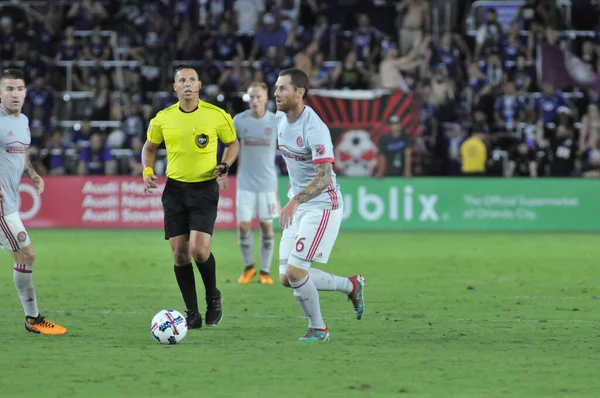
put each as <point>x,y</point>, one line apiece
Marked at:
<point>191,139</point>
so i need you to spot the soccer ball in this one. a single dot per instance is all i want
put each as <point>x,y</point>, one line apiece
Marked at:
<point>168,327</point>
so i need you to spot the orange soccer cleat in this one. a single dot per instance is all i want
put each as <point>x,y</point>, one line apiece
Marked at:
<point>247,275</point>
<point>265,279</point>
<point>43,326</point>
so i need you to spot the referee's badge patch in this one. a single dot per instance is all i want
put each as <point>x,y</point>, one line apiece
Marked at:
<point>202,140</point>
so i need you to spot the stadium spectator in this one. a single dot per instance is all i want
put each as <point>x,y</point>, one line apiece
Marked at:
<point>564,152</point>
<point>391,66</point>
<point>522,75</point>
<point>96,48</point>
<point>448,150</point>
<point>86,13</point>
<point>271,34</point>
<point>366,42</point>
<point>56,160</point>
<point>69,47</point>
<point>474,155</point>
<point>395,151</point>
<point>489,34</point>
<point>415,21</point>
<point>96,160</point>
<point>226,45</point>
<point>82,134</point>
<point>247,14</point>
<point>135,159</point>
<point>35,66</point>
<point>235,77</point>
<point>350,75</point>
<point>509,109</point>
<point>304,60</point>
<point>522,161</point>
<point>40,95</point>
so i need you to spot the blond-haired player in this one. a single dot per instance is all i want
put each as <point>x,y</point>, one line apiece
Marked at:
<point>256,182</point>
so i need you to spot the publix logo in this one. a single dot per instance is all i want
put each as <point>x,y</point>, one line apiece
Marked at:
<point>398,204</point>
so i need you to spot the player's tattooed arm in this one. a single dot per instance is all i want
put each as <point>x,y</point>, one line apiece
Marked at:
<point>30,170</point>
<point>317,185</point>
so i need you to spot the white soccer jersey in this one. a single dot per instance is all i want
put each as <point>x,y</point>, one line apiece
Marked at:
<point>303,144</point>
<point>256,170</point>
<point>14,141</point>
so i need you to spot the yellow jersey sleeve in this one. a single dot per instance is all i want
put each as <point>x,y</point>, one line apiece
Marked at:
<point>155,134</point>
<point>226,129</point>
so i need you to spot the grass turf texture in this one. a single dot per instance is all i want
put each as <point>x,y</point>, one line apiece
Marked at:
<point>448,315</point>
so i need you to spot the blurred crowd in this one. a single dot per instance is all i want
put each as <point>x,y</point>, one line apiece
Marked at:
<point>482,109</point>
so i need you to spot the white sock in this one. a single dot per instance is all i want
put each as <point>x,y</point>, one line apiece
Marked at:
<point>246,244</point>
<point>307,297</point>
<point>23,279</point>
<point>267,247</point>
<point>326,281</point>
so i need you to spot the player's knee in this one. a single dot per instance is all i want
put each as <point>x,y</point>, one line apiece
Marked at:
<point>244,228</point>
<point>283,279</point>
<point>25,256</point>
<point>180,257</point>
<point>266,228</point>
<point>295,274</point>
<point>200,253</point>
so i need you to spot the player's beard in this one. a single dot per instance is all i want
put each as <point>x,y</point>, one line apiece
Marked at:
<point>286,105</point>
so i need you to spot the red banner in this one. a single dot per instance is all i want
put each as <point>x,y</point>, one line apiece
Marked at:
<point>357,121</point>
<point>105,202</point>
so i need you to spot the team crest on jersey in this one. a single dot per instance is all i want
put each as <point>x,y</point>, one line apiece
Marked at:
<point>201,141</point>
<point>268,131</point>
<point>22,236</point>
<point>320,149</point>
<point>299,142</point>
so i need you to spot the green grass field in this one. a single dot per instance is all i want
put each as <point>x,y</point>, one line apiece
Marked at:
<point>447,315</point>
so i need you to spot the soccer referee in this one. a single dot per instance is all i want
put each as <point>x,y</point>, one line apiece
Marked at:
<point>191,130</point>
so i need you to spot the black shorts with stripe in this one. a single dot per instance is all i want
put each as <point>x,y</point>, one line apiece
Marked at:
<point>190,206</point>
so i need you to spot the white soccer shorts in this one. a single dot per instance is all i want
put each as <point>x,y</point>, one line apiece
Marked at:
<point>13,235</point>
<point>248,204</point>
<point>310,238</point>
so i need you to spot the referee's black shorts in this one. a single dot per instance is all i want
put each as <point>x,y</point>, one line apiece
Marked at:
<point>190,206</point>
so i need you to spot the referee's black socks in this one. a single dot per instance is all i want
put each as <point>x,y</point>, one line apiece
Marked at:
<point>187,285</point>
<point>209,276</point>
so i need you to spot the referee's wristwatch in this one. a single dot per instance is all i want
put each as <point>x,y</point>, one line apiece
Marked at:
<point>225,168</point>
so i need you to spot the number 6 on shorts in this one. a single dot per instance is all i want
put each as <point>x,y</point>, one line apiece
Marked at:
<point>317,232</point>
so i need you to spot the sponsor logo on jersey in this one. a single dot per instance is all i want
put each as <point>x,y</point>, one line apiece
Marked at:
<point>254,141</point>
<point>16,147</point>
<point>292,155</point>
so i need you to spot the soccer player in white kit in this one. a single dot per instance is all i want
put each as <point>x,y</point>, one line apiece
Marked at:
<point>14,141</point>
<point>256,182</point>
<point>311,220</point>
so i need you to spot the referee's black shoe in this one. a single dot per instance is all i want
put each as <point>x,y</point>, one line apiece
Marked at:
<point>194,320</point>
<point>214,311</point>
